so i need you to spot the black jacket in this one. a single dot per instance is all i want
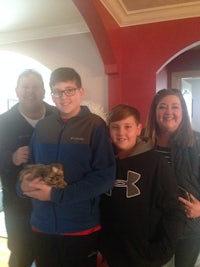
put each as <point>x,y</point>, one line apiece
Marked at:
<point>186,165</point>
<point>141,218</point>
<point>15,131</point>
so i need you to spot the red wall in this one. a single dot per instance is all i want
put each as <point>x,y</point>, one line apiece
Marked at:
<point>132,55</point>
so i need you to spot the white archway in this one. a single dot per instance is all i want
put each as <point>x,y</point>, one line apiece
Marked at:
<point>11,65</point>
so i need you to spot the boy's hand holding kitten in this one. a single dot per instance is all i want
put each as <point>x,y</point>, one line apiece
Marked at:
<point>51,174</point>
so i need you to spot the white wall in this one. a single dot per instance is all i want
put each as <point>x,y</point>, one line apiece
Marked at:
<point>78,51</point>
<point>196,105</point>
<point>161,79</point>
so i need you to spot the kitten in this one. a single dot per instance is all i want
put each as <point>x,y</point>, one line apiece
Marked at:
<point>51,174</point>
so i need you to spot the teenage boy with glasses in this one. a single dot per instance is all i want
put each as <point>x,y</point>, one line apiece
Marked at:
<point>66,221</point>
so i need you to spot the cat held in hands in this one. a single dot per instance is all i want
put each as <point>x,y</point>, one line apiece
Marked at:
<point>51,174</point>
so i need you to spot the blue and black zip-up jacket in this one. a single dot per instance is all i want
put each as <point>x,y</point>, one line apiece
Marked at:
<point>83,146</point>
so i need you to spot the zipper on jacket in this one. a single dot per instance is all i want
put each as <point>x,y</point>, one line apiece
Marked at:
<point>56,160</point>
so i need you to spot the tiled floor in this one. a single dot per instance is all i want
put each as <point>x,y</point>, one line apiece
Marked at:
<point>4,252</point>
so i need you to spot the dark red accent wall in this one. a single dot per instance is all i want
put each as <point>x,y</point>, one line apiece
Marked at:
<point>132,55</point>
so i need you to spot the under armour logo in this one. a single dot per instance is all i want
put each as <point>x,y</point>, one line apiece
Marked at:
<point>131,189</point>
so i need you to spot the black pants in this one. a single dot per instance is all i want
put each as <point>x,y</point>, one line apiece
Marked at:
<point>187,252</point>
<point>66,251</point>
<point>20,237</point>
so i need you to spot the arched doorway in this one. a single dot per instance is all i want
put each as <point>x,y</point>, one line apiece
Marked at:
<point>11,65</point>
<point>182,71</point>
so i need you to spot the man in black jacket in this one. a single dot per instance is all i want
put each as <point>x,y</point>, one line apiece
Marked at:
<point>16,127</point>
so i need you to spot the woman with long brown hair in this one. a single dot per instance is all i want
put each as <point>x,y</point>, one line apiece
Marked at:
<point>169,128</point>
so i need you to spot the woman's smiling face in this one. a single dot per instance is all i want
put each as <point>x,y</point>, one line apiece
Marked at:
<point>169,113</point>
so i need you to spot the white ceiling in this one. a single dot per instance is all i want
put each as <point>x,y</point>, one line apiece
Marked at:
<point>135,12</point>
<point>22,20</point>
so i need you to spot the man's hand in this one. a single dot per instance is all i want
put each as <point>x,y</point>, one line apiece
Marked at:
<point>21,155</point>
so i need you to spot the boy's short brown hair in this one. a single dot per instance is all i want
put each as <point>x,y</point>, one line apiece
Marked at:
<point>64,74</point>
<point>123,111</point>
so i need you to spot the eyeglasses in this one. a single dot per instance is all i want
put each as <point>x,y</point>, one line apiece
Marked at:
<point>67,92</point>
